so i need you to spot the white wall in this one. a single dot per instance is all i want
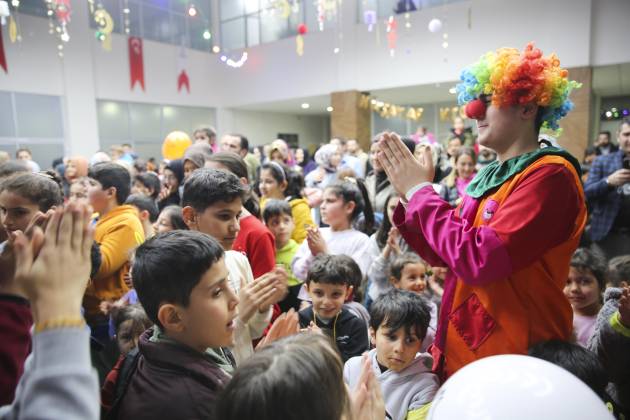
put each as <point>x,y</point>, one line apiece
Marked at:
<point>263,127</point>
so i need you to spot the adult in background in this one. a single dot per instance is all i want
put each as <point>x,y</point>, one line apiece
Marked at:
<point>607,190</point>
<point>238,143</point>
<point>377,183</point>
<point>348,161</point>
<point>603,146</point>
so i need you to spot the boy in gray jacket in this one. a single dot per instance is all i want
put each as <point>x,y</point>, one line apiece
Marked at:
<point>398,323</point>
<point>611,338</point>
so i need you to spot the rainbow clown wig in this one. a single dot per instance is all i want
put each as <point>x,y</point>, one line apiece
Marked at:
<point>515,78</point>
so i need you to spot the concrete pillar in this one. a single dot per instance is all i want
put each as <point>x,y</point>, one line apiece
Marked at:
<point>78,78</point>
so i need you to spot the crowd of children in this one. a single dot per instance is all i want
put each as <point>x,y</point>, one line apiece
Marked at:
<point>349,287</point>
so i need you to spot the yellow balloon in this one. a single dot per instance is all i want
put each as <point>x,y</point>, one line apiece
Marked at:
<point>175,144</point>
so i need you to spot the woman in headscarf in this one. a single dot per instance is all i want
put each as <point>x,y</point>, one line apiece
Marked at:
<point>173,177</point>
<point>327,158</point>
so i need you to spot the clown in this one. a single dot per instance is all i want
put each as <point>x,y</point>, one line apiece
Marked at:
<point>508,244</point>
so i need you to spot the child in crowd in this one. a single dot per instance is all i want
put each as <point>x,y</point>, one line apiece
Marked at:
<point>454,185</point>
<point>147,212</point>
<point>584,289</point>
<point>213,201</point>
<point>118,231</point>
<point>279,220</point>
<point>147,183</point>
<point>409,272</point>
<point>343,203</point>
<point>391,244</point>
<point>619,271</point>
<point>398,324</point>
<point>581,362</point>
<point>24,199</point>
<point>172,182</point>
<point>182,283</point>
<point>329,287</point>
<point>170,218</point>
<point>253,239</point>
<point>299,378</point>
<point>79,189</point>
<point>610,339</point>
<point>280,183</point>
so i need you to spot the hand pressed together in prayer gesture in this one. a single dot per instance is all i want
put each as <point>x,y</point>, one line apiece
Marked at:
<point>403,170</point>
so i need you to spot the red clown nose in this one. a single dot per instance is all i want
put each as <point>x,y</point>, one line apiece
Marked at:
<point>476,109</point>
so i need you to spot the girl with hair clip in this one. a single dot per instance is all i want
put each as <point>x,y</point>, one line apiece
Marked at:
<point>253,239</point>
<point>278,182</point>
<point>343,204</point>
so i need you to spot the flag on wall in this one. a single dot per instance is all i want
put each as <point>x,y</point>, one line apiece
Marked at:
<point>3,59</point>
<point>136,66</point>
<point>182,76</point>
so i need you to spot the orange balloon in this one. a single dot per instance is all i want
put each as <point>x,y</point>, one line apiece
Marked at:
<point>175,144</point>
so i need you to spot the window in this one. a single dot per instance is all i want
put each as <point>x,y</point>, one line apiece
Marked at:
<point>385,8</point>
<point>146,125</point>
<point>33,121</point>
<point>164,21</point>
<point>245,23</point>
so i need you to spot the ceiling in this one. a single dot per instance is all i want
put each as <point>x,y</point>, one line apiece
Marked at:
<point>612,80</point>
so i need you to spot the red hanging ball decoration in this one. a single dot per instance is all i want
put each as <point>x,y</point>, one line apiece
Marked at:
<point>476,109</point>
<point>302,29</point>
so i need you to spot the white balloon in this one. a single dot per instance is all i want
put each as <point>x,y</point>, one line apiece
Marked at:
<point>435,25</point>
<point>516,387</point>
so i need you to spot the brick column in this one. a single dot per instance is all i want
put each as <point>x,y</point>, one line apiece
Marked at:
<point>349,120</point>
<point>576,125</point>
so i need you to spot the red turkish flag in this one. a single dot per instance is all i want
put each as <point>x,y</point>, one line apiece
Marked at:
<point>3,59</point>
<point>182,80</point>
<point>136,66</point>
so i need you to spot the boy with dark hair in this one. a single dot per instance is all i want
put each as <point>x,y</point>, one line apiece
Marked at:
<point>329,287</point>
<point>148,184</point>
<point>212,203</point>
<point>182,283</point>
<point>611,337</point>
<point>619,271</point>
<point>118,231</point>
<point>279,220</point>
<point>147,212</point>
<point>398,323</point>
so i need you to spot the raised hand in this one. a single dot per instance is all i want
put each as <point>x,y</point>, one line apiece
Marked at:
<point>367,399</point>
<point>53,268</point>
<point>403,170</point>
<point>315,241</point>
<point>285,325</point>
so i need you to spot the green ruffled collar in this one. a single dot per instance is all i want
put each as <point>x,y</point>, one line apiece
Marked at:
<point>495,174</point>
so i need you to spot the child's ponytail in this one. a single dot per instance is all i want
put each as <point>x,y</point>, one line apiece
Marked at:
<point>351,189</point>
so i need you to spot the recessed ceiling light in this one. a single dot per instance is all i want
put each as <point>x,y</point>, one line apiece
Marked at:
<point>452,90</point>
<point>329,109</point>
<point>305,106</point>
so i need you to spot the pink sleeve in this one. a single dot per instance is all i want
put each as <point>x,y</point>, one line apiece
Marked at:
<point>512,239</point>
<point>432,228</point>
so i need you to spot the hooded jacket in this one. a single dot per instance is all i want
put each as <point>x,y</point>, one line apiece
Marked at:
<point>403,391</point>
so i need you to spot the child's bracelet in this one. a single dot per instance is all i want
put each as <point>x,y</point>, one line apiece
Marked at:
<point>62,322</point>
